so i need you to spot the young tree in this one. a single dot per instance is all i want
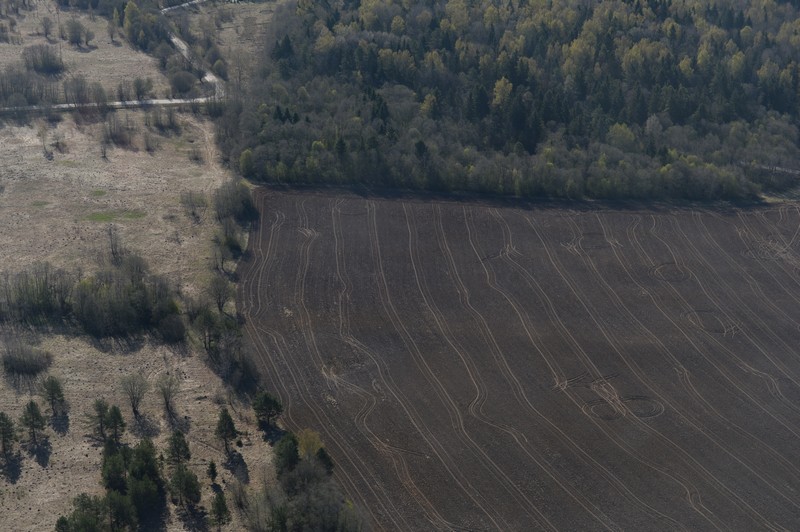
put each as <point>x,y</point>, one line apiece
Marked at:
<point>325,460</point>
<point>220,291</point>
<point>178,448</point>
<point>308,443</point>
<point>53,393</point>
<point>212,471</point>
<point>184,486</point>
<point>47,27</point>
<point>114,473</point>
<point>267,407</point>
<point>135,387</point>
<point>115,423</point>
<point>75,32</point>
<point>98,417</point>
<point>33,420</point>
<point>286,454</point>
<point>7,434</point>
<point>226,430</point>
<point>219,510</point>
<point>168,387</point>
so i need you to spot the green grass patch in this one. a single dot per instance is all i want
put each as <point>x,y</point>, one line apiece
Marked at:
<point>106,216</point>
<point>135,214</point>
<point>110,216</point>
<point>98,193</point>
<point>40,203</point>
<point>68,163</point>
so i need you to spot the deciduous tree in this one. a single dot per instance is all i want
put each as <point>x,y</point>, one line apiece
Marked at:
<point>135,387</point>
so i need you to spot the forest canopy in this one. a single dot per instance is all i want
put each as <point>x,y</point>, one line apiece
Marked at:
<point>639,99</point>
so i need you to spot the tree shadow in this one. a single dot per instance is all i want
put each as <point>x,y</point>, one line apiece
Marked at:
<point>124,345</point>
<point>194,519</point>
<point>60,423</point>
<point>12,467</point>
<point>181,423</point>
<point>180,348</point>
<point>145,426</point>
<point>23,384</point>
<point>271,433</point>
<point>237,466</point>
<point>41,451</point>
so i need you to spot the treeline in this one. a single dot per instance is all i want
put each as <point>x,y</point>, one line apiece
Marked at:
<point>642,98</point>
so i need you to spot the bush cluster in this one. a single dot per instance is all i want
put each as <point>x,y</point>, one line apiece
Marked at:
<point>119,300</point>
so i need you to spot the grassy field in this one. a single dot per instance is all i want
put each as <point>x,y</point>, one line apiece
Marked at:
<point>104,61</point>
<point>59,211</point>
<point>478,366</point>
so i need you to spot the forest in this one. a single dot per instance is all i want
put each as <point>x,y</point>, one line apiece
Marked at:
<point>672,99</point>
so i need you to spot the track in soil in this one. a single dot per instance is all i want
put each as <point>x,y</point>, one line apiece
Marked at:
<point>477,367</point>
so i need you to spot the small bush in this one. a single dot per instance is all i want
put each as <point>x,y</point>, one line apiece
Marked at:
<point>182,82</point>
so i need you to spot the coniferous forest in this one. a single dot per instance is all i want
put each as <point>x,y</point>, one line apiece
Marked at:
<point>638,99</point>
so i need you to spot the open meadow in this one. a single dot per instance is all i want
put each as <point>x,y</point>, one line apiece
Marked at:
<point>478,366</point>
<point>59,211</point>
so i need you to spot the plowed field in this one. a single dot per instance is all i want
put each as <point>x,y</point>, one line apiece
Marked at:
<point>474,366</point>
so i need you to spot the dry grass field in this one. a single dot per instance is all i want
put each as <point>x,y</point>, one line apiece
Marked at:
<point>477,366</point>
<point>103,61</point>
<point>59,211</point>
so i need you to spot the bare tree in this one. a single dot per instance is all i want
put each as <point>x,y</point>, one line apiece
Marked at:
<point>220,291</point>
<point>168,387</point>
<point>47,27</point>
<point>135,387</point>
<point>115,247</point>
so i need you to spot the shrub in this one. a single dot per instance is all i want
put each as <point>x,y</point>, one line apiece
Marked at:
<point>43,59</point>
<point>20,360</point>
<point>182,82</point>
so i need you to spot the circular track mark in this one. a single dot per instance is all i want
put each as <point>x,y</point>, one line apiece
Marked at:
<point>639,405</point>
<point>670,272</point>
<point>765,250</point>
<point>642,406</point>
<point>601,409</point>
<point>706,320</point>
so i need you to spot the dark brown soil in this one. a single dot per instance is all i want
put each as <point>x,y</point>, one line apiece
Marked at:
<point>474,366</point>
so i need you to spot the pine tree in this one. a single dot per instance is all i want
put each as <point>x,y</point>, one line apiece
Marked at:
<point>212,471</point>
<point>33,420</point>
<point>53,393</point>
<point>115,423</point>
<point>226,430</point>
<point>219,510</point>
<point>178,448</point>
<point>7,435</point>
<point>267,407</point>
<point>184,486</point>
